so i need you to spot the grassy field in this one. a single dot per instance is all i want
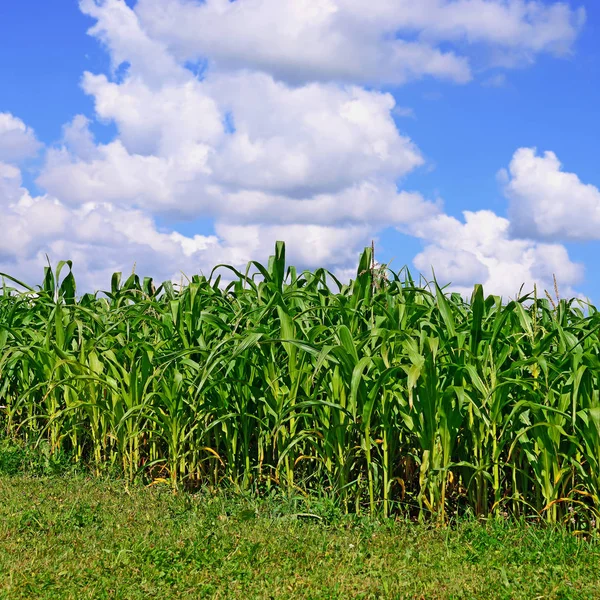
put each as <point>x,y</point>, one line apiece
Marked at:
<point>87,538</point>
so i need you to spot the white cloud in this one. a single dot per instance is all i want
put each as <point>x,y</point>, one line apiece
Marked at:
<point>295,40</point>
<point>549,203</point>
<point>102,237</point>
<point>127,42</point>
<point>309,139</point>
<point>158,120</point>
<point>353,40</point>
<point>276,140</point>
<point>10,184</point>
<point>112,175</point>
<point>79,139</point>
<point>306,245</point>
<point>526,25</point>
<point>241,148</point>
<point>286,140</point>
<point>480,250</point>
<point>377,205</point>
<point>318,150</point>
<point>17,141</point>
<point>99,237</point>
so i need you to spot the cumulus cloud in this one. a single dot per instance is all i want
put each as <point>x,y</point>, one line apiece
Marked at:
<point>99,237</point>
<point>315,138</point>
<point>547,202</point>
<point>17,141</point>
<point>111,175</point>
<point>481,250</point>
<point>324,148</point>
<point>119,30</point>
<point>310,246</point>
<point>377,205</point>
<point>295,40</point>
<point>251,132</point>
<point>102,237</point>
<point>259,156</point>
<point>276,138</point>
<point>524,25</point>
<point>353,40</point>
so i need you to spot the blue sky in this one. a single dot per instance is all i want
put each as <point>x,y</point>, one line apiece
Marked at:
<point>194,195</point>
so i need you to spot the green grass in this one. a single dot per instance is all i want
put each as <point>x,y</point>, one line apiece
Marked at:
<point>77,537</point>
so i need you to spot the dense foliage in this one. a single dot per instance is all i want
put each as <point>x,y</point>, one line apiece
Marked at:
<point>382,394</point>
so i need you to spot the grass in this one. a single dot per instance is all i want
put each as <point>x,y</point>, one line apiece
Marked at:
<point>79,537</point>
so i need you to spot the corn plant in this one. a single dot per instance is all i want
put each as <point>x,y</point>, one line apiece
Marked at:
<point>388,395</point>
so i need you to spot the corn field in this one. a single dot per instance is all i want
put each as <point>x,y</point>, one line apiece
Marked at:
<point>390,396</point>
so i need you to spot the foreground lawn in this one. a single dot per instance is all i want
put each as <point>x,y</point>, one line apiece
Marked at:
<point>83,538</point>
